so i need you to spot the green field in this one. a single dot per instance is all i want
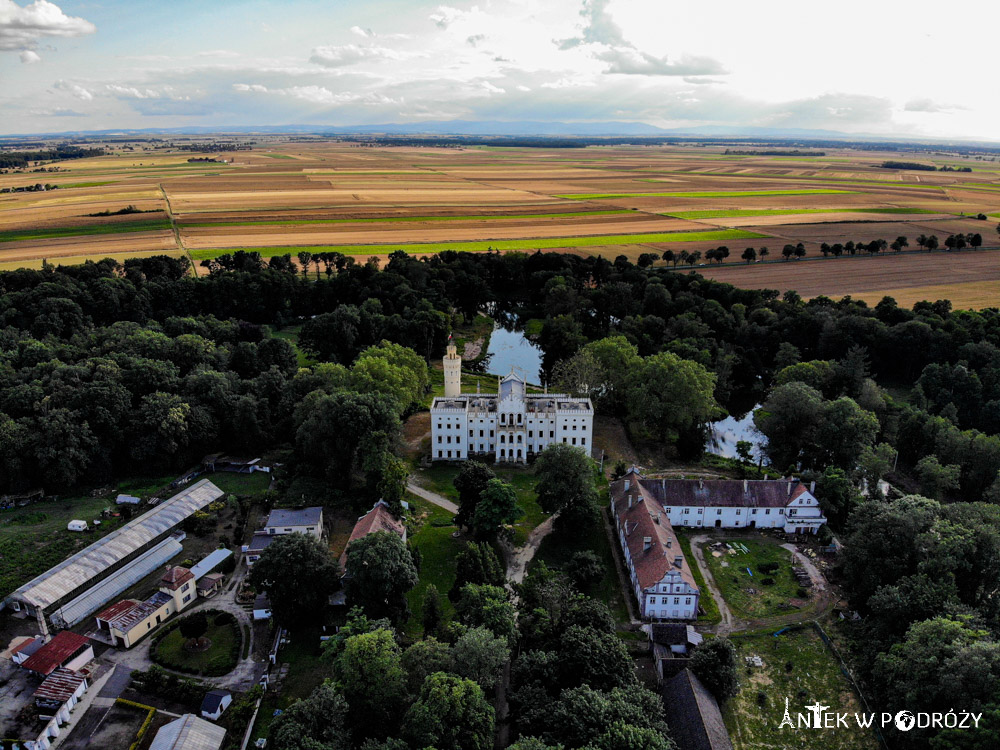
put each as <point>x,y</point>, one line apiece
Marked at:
<point>241,484</point>
<point>392,219</point>
<point>730,574</point>
<point>737,212</point>
<point>753,716</point>
<point>484,245</point>
<point>86,184</point>
<point>705,194</point>
<point>20,235</point>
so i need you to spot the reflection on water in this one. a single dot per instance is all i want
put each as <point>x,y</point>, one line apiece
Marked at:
<point>511,349</point>
<point>724,434</point>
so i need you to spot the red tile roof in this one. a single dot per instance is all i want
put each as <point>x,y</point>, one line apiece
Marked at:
<point>56,652</point>
<point>116,610</point>
<point>378,518</point>
<point>645,519</point>
<point>176,577</point>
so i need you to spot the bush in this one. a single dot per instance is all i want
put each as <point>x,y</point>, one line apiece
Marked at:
<point>769,567</point>
<point>768,581</point>
<point>789,666</point>
<point>802,593</point>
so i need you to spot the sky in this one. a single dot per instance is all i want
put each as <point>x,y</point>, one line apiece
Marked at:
<point>912,69</point>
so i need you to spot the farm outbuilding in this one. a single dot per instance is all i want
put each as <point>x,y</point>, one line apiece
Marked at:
<point>189,733</point>
<point>82,572</point>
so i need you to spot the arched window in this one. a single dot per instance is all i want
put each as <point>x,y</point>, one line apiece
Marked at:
<point>519,419</point>
<point>503,437</point>
<point>519,439</point>
<point>519,453</point>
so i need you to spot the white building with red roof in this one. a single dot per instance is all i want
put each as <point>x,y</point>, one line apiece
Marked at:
<point>379,518</point>
<point>646,510</point>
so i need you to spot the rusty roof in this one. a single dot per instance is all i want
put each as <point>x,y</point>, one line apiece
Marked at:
<point>56,652</point>
<point>116,610</point>
<point>722,493</point>
<point>379,518</point>
<point>59,686</point>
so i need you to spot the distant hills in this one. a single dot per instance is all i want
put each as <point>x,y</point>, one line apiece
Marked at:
<point>500,128</point>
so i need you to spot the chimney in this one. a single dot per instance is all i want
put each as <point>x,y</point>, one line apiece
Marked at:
<point>701,484</point>
<point>789,489</point>
<point>679,561</point>
<point>630,501</point>
<point>812,487</point>
<point>647,542</point>
<point>628,483</point>
<point>670,543</point>
<point>656,518</point>
<point>744,486</point>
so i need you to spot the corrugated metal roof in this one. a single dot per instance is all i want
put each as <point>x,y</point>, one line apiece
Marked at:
<point>189,733</point>
<point>211,561</point>
<point>53,654</point>
<point>92,561</point>
<point>59,686</point>
<point>106,590</point>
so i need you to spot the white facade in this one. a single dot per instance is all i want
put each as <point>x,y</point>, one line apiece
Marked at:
<point>509,426</point>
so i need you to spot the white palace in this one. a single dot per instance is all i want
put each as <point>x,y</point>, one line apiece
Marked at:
<point>510,426</point>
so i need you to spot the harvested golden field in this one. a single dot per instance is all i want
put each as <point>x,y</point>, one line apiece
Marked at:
<point>285,195</point>
<point>969,279</point>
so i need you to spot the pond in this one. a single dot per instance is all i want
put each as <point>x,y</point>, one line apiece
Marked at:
<point>511,348</point>
<point>724,434</point>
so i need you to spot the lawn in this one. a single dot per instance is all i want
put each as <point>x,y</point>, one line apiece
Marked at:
<point>240,484</point>
<point>170,651</point>
<point>753,716</point>
<point>737,212</point>
<point>20,235</point>
<point>706,600</point>
<point>473,246</point>
<point>438,550</point>
<point>34,538</point>
<point>746,595</point>
<point>704,194</point>
<point>291,335</point>
<point>396,219</point>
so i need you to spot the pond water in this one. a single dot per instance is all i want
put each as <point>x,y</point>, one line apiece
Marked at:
<point>724,434</point>
<point>510,348</point>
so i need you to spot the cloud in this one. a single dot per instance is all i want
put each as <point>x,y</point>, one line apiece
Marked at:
<point>700,81</point>
<point>474,39</point>
<point>255,87</point>
<point>350,54</point>
<point>30,56</point>
<point>929,105</point>
<point>605,41</point>
<point>71,88</point>
<point>444,16</point>
<point>362,32</point>
<point>22,27</point>
<point>630,61</point>
<point>57,112</point>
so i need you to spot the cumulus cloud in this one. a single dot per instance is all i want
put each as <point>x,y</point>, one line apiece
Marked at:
<point>350,54</point>
<point>22,26</point>
<point>75,89</point>
<point>444,16</point>
<point>254,87</point>
<point>29,56</point>
<point>606,42</point>
<point>929,105</point>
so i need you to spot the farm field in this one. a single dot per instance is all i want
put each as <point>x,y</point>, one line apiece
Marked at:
<point>968,279</point>
<point>319,195</point>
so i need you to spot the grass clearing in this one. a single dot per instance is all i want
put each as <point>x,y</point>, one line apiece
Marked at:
<point>500,245</point>
<point>86,184</point>
<point>172,651</point>
<point>753,715</point>
<point>706,600</point>
<point>737,212</point>
<point>241,484</point>
<point>18,235</point>
<point>396,219</point>
<point>746,595</point>
<point>706,194</point>
<point>438,550</point>
<point>291,335</point>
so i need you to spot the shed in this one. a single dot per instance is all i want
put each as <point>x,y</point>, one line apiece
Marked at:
<point>189,733</point>
<point>210,562</point>
<point>76,525</point>
<point>261,607</point>
<point>67,649</point>
<point>127,500</point>
<point>215,702</point>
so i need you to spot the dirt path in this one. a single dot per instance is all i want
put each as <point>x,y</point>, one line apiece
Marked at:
<point>728,624</point>
<point>431,497</point>
<point>521,556</point>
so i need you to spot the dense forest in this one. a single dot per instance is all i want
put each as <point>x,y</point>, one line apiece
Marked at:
<point>107,369</point>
